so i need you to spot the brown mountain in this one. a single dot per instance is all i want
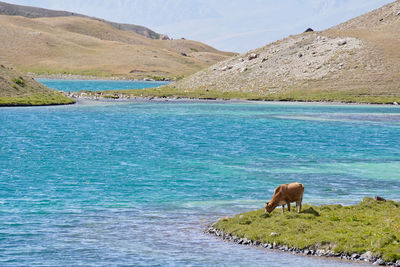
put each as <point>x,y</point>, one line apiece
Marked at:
<point>35,12</point>
<point>356,61</point>
<point>86,46</point>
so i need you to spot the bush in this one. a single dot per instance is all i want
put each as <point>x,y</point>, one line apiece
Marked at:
<point>20,81</point>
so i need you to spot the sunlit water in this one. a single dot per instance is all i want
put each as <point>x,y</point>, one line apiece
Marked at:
<point>97,85</point>
<point>136,183</point>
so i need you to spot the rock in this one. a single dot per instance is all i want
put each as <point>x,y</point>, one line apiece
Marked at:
<point>243,69</point>
<point>164,37</point>
<point>309,30</point>
<point>395,103</point>
<point>342,42</point>
<point>225,68</point>
<point>355,256</point>
<point>379,262</point>
<point>378,198</point>
<point>274,234</point>
<point>252,56</point>
<point>184,54</point>
<point>367,256</point>
<point>300,55</point>
<point>398,13</point>
<point>398,261</point>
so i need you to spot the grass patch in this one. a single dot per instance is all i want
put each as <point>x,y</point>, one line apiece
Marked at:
<point>36,100</point>
<point>19,81</point>
<point>369,226</point>
<point>169,91</point>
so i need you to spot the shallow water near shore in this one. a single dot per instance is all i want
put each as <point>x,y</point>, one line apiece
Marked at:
<point>136,183</point>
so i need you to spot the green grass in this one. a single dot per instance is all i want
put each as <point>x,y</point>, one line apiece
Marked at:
<point>36,100</point>
<point>355,96</point>
<point>369,226</point>
<point>19,81</point>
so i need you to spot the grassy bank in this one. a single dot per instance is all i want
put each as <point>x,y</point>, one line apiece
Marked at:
<point>355,96</point>
<point>17,89</point>
<point>369,226</point>
<point>36,100</point>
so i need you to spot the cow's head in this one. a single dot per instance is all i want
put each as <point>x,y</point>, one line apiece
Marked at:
<point>268,208</point>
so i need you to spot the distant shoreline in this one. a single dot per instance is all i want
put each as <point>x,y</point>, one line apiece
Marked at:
<point>76,96</point>
<point>74,77</point>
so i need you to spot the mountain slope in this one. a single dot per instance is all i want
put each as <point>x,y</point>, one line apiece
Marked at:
<point>357,61</point>
<point>19,90</point>
<point>34,12</point>
<point>79,45</point>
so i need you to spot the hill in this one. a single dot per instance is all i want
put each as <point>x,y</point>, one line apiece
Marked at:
<point>357,61</point>
<point>77,45</point>
<point>85,46</point>
<point>19,90</point>
<point>35,12</point>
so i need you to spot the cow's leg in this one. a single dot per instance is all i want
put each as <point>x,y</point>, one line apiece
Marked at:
<point>283,208</point>
<point>298,204</point>
<point>288,206</point>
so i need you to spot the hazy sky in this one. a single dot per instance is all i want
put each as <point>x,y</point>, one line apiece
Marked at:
<point>231,25</point>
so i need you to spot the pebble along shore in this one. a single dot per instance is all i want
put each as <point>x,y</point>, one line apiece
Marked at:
<point>366,257</point>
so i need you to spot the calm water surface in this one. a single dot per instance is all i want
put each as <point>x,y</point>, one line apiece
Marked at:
<point>136,183</point>
<point>97,85</point>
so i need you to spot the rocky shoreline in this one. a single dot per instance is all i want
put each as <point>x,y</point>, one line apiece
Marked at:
<point>365,257</point>
<point>102,96</point>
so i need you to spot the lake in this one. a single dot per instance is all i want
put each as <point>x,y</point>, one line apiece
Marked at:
<point>136,183</point>
<point>97,85</point>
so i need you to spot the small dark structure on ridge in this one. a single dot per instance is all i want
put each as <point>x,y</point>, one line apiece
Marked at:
<point>309,30</point>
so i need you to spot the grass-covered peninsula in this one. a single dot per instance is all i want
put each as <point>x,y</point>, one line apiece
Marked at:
<point>17,89</point>
<point>169,91</point>
<point>369,226</point>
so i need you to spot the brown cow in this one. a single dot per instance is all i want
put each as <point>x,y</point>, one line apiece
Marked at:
<point>284,194</point>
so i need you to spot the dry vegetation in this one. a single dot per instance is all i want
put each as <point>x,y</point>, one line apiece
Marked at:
<point>359,59</point>
<point>19,90</point>
<point>84,46</point>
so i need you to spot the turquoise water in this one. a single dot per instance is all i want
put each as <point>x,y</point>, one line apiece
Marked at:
<point>135,183</point>
<point>97,85</point>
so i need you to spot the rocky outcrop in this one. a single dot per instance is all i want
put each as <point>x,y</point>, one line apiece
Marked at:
<point>359,57</point>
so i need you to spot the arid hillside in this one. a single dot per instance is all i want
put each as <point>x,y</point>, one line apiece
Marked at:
<point>85,46</point>
<point>35,12</point>
<point>17,89</point>
<point>357,61</point>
